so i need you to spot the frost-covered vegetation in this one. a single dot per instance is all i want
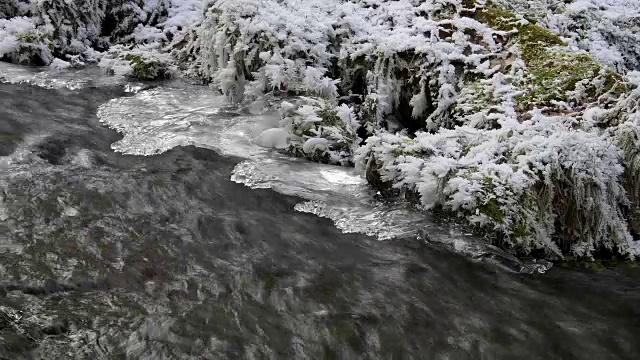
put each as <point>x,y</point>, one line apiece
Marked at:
<point>79,32</point>
<point>512,117</point>
<point>517,118</point>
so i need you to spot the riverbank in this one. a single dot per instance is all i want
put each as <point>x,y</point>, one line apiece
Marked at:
<point>518,121</point>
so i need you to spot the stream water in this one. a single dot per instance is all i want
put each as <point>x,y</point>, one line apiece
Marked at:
<point>176,237</point>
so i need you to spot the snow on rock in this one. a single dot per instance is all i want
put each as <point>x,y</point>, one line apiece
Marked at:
<point>60,64</point>
<point>273,138</point>
<point>319,132</point>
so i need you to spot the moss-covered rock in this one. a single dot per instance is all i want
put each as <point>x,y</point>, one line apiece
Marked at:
<point>147,68</point>
<point>25,43</point>
<point>144,63</point>
<point>555,74</point>
<point>34,48</point>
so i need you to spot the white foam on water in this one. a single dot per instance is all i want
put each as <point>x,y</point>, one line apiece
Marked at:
<point>157,120</point>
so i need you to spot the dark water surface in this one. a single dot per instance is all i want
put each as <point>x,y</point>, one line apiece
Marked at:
<point>111,256</point>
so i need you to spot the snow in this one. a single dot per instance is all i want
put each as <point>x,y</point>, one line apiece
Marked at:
<point>11,28</point>
<point>60,64</point>
<point>274,138</point>
<point>314,144</point>
<point>465,169</point>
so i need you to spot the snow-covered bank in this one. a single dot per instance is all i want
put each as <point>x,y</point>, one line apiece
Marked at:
<point>519,119</point>
<point>470,107</point>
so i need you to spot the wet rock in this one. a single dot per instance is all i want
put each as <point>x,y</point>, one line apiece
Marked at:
<point>375,180</point>
<point>56,328</point>
<point>52,150</point>
<point>8,142</point>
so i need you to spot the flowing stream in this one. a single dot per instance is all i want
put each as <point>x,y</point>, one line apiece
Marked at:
<point>141,221</point>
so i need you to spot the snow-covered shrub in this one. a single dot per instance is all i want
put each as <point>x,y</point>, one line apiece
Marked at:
<point>541,185</point>
<point>251,47</point>
<point>8,9</point>
<point>78,30</point>
<point>622,124</point>
<point>418,61</point>
<point>317,131</point>
<point>75,24</point>
<point>22,42</point>
<point>140,62</point>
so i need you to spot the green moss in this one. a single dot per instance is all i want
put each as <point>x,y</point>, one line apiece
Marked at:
<point>496,18</point>
<point>519,230</point>
<point>557,72</point>
<point>492,209</point>
<point>554,71</point>
<point>145,69</point>
<point>535,41</point>
<point>330,117</point>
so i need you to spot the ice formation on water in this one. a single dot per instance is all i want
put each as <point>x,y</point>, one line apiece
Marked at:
<point>156,120</point>
<point>177,114</point>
